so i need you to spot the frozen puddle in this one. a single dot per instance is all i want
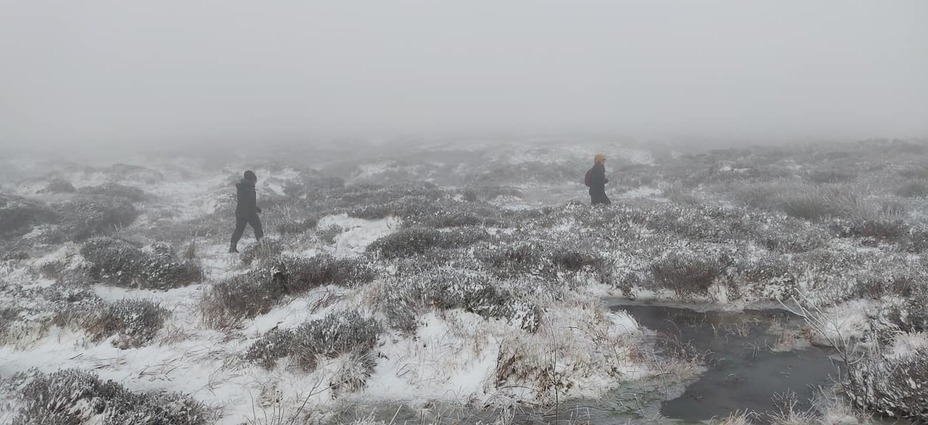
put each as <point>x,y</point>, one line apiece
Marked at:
<point>753,359</point>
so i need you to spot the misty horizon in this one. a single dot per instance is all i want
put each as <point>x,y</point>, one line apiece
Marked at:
<point>106,74</point>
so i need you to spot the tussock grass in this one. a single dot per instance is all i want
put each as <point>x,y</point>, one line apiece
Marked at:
<point>688,275</point>
<point>416,241</point>
<point>134,322</point>
<point>86,216</point>
<point>73,396</point>
<point>241,297</point>
<point>332,336</point>
<point>447,289</point>
<point>893,386</point>
<point>116,190</point>
<point>120,263</point>
<point>19,215</point>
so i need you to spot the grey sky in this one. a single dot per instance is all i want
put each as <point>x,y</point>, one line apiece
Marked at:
<point>144,72</point>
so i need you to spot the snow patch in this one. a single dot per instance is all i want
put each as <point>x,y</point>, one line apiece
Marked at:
<point>357,233</point>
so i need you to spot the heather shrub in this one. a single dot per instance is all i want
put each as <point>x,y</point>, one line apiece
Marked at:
<point>808,202</point>
<point>329,233</point>
<point>916,189</point>
<point>228,302</point>
<point>352,373</point>
<point>87,216</point>
<point>830,176</point>
<point>8,315</point>
<point>896,386</point>
<point>116,261</point>
<point>882,230</point>
<point>536,259</point>
<point>490,192</point>
<point>120,263</point>
<point>910,315</point>
<point>512,261</point>
<point>688,275</point>
<point>19,215</point>
<point>303,274</point>
<point>266,249</point>
<point>447,289</point>
<point>295,226</point>
<point>59,185</point>
<point>73,397</point>
<point>129,172</point>
<point>116,190</point>
<point>573,261</point>
<point>135,322</point>
<point>331,336</point>
<point>416,240</point>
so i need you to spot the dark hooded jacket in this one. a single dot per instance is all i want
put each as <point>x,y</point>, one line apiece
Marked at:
<point>247,204</point>
<point>598,184</point>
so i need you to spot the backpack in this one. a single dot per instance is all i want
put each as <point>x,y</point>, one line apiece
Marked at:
<point>588,178</point>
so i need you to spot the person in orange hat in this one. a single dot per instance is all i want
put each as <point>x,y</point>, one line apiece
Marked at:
<point>596,180</point>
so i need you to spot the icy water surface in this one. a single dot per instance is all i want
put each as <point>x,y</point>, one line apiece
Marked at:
<point>757,360</point>
<point>753,358</point>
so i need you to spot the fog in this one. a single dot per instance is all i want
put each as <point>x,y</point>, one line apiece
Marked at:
<point>104,73</point>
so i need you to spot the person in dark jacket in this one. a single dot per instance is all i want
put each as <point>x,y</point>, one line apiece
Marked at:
<point>246,209</point>
<point>598,181</point>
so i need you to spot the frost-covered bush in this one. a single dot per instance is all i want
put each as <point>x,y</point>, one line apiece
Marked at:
<point>19,215</point>
<point>573,261</point>
<point>329,233</point>
<point>688,274</point>
<point>295,226</point>
<point>910,313</point>
<point>266,249</point>
<point>89,215</point>
<point>74,397</point>
<point>336,334</point>
<point>59,185</point>
<point>830,176</point>
<point>896,386</point>
<point>311,184</point>
<point>129,172</point>
<point>447,289</point>
<point>416,240</point>
<point>808,202</point>
<point>516,260</point>
<point>120,263</point>
<point>788,235</point>
<point>8,315</point>
<point>352,373</point>
<point>135,322</point>
<point>116,190</point>
<point>915,189</point>
<point>490,192</point>
<point>889,230</point>
<point>247,295</point>
<point>114,260</point>
<point>256,292</point>
<point>303,274</point>
<point>538,259</point>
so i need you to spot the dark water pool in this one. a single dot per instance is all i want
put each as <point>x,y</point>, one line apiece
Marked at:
<point>752,358</point>
<point>757,360</point>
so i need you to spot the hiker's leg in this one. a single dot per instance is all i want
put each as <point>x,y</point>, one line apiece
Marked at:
<point>237,234</point>
<point>255,223</point>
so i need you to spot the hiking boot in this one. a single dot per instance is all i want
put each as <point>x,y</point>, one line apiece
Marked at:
<point>233,249</point>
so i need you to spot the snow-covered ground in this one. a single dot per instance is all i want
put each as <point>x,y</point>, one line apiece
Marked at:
<point>666,238</point>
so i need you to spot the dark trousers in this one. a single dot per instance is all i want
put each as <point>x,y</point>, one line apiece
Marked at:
<point>598,196</point>
<point>240,223</point>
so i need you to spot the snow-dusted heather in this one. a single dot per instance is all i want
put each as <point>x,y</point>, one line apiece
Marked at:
<point>473,276</point>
